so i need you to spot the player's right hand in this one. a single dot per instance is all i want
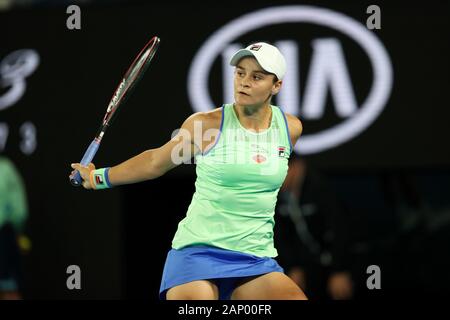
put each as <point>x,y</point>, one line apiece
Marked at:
<point>84,173</point>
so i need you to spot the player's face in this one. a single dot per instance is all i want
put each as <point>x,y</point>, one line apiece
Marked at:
<point>253,85</point>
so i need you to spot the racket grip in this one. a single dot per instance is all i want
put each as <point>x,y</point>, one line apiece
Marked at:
<point>75,179</point>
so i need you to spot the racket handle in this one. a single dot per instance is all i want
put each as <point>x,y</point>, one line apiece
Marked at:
<point>75,179</point>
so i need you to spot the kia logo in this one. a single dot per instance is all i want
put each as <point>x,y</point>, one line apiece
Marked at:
<point>328,72</point>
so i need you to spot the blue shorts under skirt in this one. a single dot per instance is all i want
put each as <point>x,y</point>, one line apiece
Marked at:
<point>223,267</point>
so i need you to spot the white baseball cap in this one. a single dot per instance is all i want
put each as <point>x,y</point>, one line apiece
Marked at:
<point>268,57</point>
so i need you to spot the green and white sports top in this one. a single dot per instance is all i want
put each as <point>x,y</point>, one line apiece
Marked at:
<point>237,184</point>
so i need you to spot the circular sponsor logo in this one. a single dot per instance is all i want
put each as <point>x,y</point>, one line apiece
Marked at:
<point>259,158</point>
<point>330,137</point>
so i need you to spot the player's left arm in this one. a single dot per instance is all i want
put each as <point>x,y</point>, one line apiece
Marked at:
<point>295,128</point>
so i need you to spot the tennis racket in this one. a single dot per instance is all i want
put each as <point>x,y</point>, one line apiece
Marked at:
<point>129,81</point>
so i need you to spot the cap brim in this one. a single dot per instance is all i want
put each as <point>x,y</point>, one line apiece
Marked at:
<point>239,55</point>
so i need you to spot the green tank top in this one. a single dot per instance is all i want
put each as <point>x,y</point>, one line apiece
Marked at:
<point>236,189</point>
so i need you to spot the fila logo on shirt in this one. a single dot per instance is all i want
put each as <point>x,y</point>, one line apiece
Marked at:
<point>327,76</point>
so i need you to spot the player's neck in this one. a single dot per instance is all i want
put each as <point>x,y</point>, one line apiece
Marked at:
<point>256,118</point>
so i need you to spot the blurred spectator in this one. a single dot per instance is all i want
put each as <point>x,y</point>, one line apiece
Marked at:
<point>310,234</point>
<point>13,214</point>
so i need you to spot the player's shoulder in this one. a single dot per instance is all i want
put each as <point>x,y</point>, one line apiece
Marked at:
<point>207,119</point>
<point>294,123</point>
<point>214,115</point>
<point>295,126</point>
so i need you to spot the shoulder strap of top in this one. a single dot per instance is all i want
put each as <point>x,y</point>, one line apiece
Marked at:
<point>288,136</point>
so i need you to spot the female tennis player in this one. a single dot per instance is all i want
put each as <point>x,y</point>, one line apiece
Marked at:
<point>224,248</point>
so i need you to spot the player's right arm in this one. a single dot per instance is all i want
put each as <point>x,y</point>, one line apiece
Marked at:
<point>154,163</point>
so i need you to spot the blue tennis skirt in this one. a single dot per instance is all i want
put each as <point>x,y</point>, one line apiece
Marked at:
<point>223,267</point>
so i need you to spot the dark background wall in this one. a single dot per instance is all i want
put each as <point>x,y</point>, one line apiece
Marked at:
<point>120,237</point>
